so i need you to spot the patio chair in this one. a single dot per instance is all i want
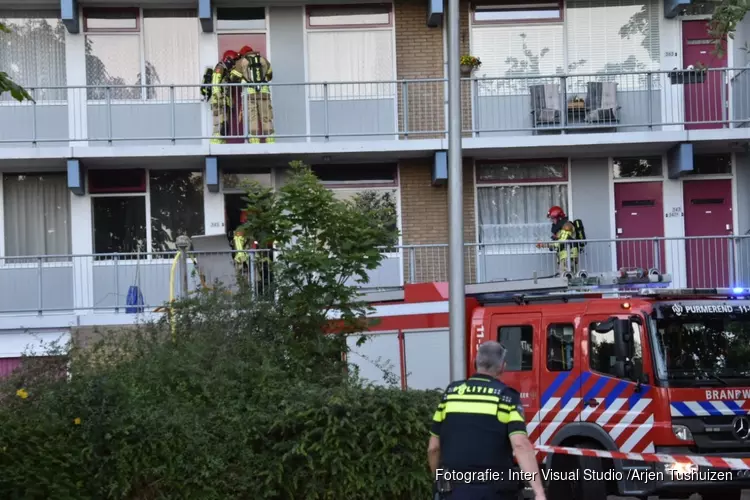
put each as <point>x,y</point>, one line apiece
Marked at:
<point>601,102</point>
<point>545,104</point>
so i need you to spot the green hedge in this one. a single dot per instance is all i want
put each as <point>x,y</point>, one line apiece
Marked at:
<point>234,409</point>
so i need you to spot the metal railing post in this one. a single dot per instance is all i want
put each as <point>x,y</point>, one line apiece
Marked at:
<point>183,243</point>
<point>117,283</point>
<point>173,112</point>
<point>40,284</point>
<point>326,130</point>
<point>724,98</point>
<point>108,100</point>
<point>251,277</point>
<point>650,100</point>
<point>412,265</point>
<point>405,107</point>
<point>33,118</point>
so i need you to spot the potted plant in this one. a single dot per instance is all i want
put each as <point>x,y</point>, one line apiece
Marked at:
<point>695,73</point>
<point>469,64</point>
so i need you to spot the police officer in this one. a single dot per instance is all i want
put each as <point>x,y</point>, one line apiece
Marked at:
<point>563,234</point>
<point>479,425</point>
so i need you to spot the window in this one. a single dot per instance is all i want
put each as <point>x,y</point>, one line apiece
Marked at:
<point>560,350</point>
<point>611,36</point>
<point>515,41</point>
<point>367,185</point>
<point>519,341</point>
<point>145,53</point>
<point>176,207</point>
<point>120,200</point>
<point>33,53</point>
<point>37,214</point>
<point>711,164</point>
<point>233,180</point>
<point>602,352</point>
<point>625,168</point>
<point>534,10</point>
<point>240,19</point>
<point>351,44</point>
<point>513,199</point>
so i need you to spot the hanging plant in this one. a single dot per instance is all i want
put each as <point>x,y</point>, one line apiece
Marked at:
<point>469,64</point>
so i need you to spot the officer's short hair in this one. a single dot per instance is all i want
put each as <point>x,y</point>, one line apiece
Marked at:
<point>490,357</point>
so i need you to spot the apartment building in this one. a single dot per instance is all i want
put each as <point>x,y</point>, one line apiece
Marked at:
<point>577,103</point>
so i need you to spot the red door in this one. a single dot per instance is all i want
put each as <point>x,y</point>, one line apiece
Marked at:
<point>235,41</point>
<point>639,214</point>
<point>8,365</point>
<point>703,101</point>
<point>708,212</point>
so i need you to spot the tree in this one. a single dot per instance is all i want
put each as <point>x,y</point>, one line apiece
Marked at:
<point>8,85</point>
<point>323,243</point>
<point>724,22</point>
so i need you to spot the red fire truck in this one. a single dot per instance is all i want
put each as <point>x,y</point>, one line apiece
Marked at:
<point>614,364</point>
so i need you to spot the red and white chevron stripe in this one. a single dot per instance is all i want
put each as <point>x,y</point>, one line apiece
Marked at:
<point>717,462</point>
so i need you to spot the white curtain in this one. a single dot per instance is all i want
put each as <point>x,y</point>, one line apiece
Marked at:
<point>33,53</point>
<point>37,215</point>
<point>517,213</point>
<point>351,56</point>
<point>171,41</point>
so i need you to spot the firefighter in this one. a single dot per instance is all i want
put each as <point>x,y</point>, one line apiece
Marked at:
<point>563,234</point>
<point>254,69</point>
<point>478,426</point>
<point>221,100</point>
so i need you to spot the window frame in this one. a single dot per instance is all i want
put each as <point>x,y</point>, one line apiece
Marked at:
<point>139,33</point>
<point>134,257</point>
<point>21,261</point>
<point>531,343</point>
<point>501,248</point>
<point>88,11</point>
<point>497,6</point>
<point>369,183</point>
<point>572,343</point>
<point>387,6</point>
<point>648,178</point>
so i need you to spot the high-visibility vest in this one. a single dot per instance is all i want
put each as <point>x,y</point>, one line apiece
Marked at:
<point>240,257</point>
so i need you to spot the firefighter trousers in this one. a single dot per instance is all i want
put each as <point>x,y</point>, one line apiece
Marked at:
<point>221,112</point>
<point>567,264</point>
<point>260,117</point>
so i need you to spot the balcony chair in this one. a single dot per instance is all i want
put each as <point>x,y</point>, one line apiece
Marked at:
<point>601,102</point>
<point>545,104</point>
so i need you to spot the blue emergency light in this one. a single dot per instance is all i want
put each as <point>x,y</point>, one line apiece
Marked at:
<point>739,291</point>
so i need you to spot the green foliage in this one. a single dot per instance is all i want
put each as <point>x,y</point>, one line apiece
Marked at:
<point>247,400</point>
<point>326,245</point>
<point>8,85</point>
<point>724,22</point>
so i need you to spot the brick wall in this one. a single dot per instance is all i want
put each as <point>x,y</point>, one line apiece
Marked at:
<point>419,54</point>
<point>424,217</point>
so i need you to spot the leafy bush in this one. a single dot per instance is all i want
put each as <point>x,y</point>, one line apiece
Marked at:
<point>247,400</point>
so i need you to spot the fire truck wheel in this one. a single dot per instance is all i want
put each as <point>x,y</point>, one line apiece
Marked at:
<point>727,494</point>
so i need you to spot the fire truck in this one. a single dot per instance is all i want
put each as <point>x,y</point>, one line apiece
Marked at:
<point>620,362</point>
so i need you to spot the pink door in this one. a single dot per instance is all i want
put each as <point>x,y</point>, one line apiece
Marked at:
<point>8,365</point>
<point>235,41</point>
<point>639,214</point>
<point>708,212</point>
<point>703,101</point>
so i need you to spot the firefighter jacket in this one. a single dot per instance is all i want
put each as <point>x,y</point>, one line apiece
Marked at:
<point>221,75</point>
<point>252,69</point>
<point>564,233</point>
<point>240,257</point>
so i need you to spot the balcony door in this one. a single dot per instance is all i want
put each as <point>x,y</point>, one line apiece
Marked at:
<point>235,41</point>
<point>704,99</point>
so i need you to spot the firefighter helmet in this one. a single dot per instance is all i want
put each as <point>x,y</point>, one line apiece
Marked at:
<point>245,50</point>
<point>555,213</point>
<point>229,55</point>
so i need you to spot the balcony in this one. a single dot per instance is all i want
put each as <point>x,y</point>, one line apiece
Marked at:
<point>396,110</point>
<point>103,283</point>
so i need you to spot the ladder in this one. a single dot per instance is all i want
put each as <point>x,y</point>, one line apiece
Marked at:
<point>602,284</point>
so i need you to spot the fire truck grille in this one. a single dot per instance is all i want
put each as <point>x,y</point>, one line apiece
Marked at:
<point>715,433</point>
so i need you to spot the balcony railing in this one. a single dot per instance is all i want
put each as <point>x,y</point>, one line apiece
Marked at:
<point>397,110</point>
<point>128,283</point>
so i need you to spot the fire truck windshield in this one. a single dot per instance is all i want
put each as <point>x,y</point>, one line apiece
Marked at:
<point>703,349</point>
